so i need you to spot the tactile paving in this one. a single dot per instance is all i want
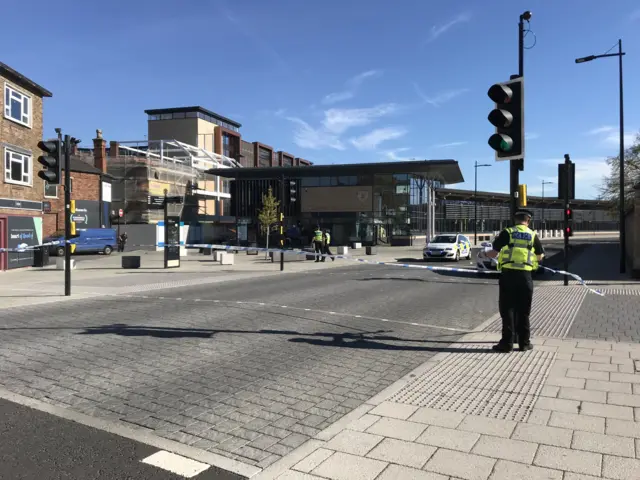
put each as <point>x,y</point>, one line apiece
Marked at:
<point>552,312</point>
<point>503,386</point>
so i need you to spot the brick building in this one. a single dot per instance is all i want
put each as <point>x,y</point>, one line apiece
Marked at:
<point>21,190</point>
<point>91,189</point>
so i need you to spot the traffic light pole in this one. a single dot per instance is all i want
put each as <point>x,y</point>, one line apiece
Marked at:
<point>565,195</point>
<point>516,165</point>
<point>67,215</point>
<point>282,223</point>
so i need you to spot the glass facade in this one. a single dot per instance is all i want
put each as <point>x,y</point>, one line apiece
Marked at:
<point>201,115</point>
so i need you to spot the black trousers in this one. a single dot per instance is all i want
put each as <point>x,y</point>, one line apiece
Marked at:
<point>516,294</point>
<point>319,249</point>
<point>327,251</point>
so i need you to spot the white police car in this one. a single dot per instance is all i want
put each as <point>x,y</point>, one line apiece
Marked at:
<point>448,246</point>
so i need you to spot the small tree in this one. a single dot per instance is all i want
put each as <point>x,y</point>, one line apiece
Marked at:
<point>610,188</point>
<point>268,214</point>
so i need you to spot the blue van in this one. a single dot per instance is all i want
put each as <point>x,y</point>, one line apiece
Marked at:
<point>91,240</point>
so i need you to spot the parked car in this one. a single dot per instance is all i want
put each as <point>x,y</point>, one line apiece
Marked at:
<point>486,263</point>
<point>451,246</point>
<point>91,240</point>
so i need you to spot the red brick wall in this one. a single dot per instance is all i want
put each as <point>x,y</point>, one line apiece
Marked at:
<point>86,186</point>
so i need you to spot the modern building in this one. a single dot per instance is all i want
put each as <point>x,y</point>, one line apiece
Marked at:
<point>371,202</point>
<point>455,211</point>
<point>21,190</point>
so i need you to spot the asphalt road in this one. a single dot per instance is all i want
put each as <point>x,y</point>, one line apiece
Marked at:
<point>39,446</point>
<point>245,369</point>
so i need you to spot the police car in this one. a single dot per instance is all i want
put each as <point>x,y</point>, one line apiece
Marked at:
<point>448,246</point>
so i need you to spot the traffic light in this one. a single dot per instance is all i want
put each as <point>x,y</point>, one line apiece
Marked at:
<point>508,118</point>
<point>568,222</point>
<point>522,195</point>
<point>567,181</point>
<point>52,159</point>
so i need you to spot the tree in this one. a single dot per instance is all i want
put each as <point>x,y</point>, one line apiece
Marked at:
<point>610,188</point>
<point>268,215</point>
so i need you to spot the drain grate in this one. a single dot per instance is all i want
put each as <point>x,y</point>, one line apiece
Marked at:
<point>496,386</point>
<point>552,312</point>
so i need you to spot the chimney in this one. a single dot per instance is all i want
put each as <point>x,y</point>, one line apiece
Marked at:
<point>113,149</point>
<point>100,152</point>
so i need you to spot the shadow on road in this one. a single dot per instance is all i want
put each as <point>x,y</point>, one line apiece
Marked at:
<point>361,340</point>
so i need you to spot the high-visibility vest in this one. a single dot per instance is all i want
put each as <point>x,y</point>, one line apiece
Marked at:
<point>519,253</point>
<point>328,236</point>
<point>317,236</point>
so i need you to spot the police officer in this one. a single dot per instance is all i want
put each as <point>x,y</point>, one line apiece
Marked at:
<point>317,243</point>
<point>519,250</point>
<point>327,242</point>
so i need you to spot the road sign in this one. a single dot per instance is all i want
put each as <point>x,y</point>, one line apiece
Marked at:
<point>120,213</point>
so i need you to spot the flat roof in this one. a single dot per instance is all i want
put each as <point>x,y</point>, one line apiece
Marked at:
<point>160,111</point>
<point>468,195</point>
<point>446,171</point>
<point>24,81</point>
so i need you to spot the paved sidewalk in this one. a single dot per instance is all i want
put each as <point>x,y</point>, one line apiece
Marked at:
<point>568,410</point>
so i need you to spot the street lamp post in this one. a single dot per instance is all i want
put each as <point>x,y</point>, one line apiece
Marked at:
<point>543,184</point>
<point>475,201</point>
<point>623,263</point>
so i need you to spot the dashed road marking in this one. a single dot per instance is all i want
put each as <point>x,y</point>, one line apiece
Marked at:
<point>183,466</point>
<point>325,312</point>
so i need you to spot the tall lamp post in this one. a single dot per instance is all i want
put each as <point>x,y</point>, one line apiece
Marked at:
<point>475,200</point>
<point>623,263</point>
<point>543,207</point>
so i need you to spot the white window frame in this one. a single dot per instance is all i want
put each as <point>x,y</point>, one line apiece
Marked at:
<point>8,152</point>
<point>46,184</point>
<point>21,96</point>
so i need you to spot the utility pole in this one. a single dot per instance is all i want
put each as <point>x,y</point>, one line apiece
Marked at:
<point>282,223</point>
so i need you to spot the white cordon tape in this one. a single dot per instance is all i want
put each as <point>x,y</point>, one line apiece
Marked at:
<point>343,257</point>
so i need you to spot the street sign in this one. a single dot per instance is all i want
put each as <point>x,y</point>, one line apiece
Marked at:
<point>120,213</point>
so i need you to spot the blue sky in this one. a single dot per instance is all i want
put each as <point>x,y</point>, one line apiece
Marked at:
<point>342,81</point>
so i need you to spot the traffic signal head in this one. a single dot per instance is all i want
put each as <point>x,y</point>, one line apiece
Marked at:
<point>292,191</point>
<point>508,119</point>
<point>568,232</point>
<point>568,213</point>
<point>52,159</point>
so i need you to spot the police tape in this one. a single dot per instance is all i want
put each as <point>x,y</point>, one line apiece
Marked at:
<point>323,255</point>
<point>28,248</point>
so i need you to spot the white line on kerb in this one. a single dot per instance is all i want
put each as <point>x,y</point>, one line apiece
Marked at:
<point>183,466</point>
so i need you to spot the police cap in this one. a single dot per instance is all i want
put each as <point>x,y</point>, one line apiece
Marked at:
<point>524,212</point>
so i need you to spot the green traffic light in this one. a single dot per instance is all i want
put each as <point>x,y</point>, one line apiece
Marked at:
<point>505,146</point>
<point>501,143</point>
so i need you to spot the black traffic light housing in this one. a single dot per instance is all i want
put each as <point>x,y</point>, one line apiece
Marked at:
<point>292,191</point>
<point>508,118</point>
<point>52,160</point>
<point>567,180</point>
<point>568,221</point>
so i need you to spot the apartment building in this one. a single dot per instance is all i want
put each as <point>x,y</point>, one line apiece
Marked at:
<point>21,190</point>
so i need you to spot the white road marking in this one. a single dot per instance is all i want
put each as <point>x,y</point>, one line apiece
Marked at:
<point>183,466</point>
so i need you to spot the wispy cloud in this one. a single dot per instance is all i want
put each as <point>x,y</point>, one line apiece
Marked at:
<point>531,136</point>
<point>601,130</point>
<point>441,97</point>
<point>610,136</point>
<point>590,173</point>
<point>449,145</point>
<point>438,30</point>
<point>371,140</point>
<point>351,86</point>
<point>339,120</point>
<point>306,136</point>
<point>393,154</point>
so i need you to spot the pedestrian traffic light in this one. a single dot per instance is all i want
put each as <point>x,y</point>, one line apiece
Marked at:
<point>52,160</point>
<point>568,220</point>
<point>508,118</point>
